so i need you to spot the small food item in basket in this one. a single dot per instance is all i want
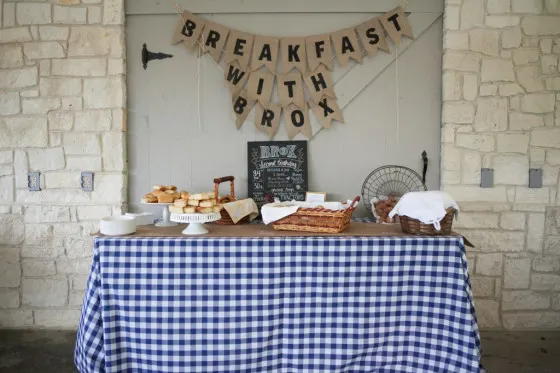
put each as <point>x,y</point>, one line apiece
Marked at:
<point>383,208</point>
<point>180,203</point>
<point>193,202</point>
<point>184,195</point>
<point>165,198</point>
<point>207,203</point>
<point>204,210</point>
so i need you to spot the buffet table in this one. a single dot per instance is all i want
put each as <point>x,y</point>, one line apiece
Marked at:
<point>249,299</point>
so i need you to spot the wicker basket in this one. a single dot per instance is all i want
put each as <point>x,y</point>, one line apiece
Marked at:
<point>318,220</point>
<point>226,218</point>
<point>413,226</point>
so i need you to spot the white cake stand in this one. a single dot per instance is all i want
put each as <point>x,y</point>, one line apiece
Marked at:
<point>195,222</point>
<point>165,222</point>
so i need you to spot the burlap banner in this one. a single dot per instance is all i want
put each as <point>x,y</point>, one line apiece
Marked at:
<point>304,66</point>
<point>267,119</point>
<point>396,24</point>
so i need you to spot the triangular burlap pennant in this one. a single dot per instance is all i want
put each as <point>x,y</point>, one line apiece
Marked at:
<point>238,48</point>
<point>396,24</point>
<point>265,53</point>
<point>346,46</point>
<point>292,54</point>
<point>319,83</point>
<point>242,106</point>
<point>372,36</point>
<point>189,29</point>
<point>326,110</point>
<point>235,77</point>
<point>290,90</point>
<point>319,51</point>
<point>297,120</point>
<point>213,39</point>
<point>259,87</point>
<point>267,119</point>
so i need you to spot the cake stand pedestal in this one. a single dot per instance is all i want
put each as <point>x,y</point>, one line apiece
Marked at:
<point>165,222</point>
<point>195,222</point>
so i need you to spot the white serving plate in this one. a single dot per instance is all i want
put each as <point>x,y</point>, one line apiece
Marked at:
<point>142,218</point>
<point>117,225</point>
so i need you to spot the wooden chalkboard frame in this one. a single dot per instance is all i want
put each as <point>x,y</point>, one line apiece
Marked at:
<point>296,151</point>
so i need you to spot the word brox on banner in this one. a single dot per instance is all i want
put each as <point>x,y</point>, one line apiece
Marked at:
<point>311,58</point>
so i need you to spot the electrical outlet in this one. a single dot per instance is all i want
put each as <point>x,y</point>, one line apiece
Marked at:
<point>486,177</point>
<point>34,181</point>
<point>535,177</point>
<point>86,181</point>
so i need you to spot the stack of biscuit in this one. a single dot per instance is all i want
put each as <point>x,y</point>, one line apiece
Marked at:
<point>202,203</point>
<point>163,194</point>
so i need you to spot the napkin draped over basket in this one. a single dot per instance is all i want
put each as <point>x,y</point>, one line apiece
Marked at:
<point>426,213</point>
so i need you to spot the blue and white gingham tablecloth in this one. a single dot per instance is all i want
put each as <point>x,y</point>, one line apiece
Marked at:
<point>282,305</point>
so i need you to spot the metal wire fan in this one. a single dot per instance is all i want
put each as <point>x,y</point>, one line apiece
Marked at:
<point>389,181</point>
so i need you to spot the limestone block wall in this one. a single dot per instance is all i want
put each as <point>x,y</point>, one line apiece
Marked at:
<point>62,98</point>
<point>501,94</point>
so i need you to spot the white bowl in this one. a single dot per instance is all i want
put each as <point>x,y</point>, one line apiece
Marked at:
<point>142,218</point>
<point>117,225</point>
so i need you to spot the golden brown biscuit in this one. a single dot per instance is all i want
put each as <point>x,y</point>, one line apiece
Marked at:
<point>165,198</point>
<point>159,187</point>
<point>180,203</point>
<point>193,202</point>
<point>171,187</point>
<point>207,203</point>
<point>204,210</point>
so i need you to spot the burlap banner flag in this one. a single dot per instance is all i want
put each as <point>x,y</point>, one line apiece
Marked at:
<point>346,46</point>
<point>235,77</point>
<point>326,110</point>
<point>396,24</point>
<point>297,120</point>
<point>259,87</point>
<point>292,54</point>
<point>213,39</point>
<point>290,90</point>
<point>267,119</point>
<point>319,51</point>
<point>372,36</point>
<point>238,48</point>
<point>265,53</point>
<point>242,106</point>
<point>189,30</point>
<point>319,83</point>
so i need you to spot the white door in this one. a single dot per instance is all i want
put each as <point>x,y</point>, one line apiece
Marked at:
<point>181,130</point>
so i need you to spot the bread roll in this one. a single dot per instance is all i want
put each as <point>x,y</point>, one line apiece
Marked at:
<point>175,209</point>
<point>180,203</point>
<point>159,187</point>
<point>169,191</point>
<point>189,210</point>
<point>165,198</point>
<point>157,193</point>
<point>152,200</point>
<point>171,187</point>
<point>207,203</point>
<point>184,195</point>
<point>204,210</point>
<point>198,196</point>
<point>193,202</point>
<point>208,195</point>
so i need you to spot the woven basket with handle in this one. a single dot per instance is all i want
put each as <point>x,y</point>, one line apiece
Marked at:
<point>416,227</point>
<point>318,220</point>
<point>226,218</point>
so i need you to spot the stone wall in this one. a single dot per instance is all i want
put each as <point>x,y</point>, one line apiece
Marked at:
<point>501,93</point>
<point>62,97</point>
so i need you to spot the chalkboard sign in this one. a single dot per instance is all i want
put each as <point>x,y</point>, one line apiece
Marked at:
<point>277,169</point>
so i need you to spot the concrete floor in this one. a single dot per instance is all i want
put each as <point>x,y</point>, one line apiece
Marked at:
<point>52,351</point>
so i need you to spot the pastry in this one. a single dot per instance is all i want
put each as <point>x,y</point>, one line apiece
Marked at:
<point>157,193</point>
<point>175,209</point>
<point>217,208</point>
<point>180,203</point>
<point>193,202</point>
<point>171,187</point>
<point>165,198</point>
<point>169,191</point>
<point>209,195</point>
<point>153,200</point>
<point>207,203</point>
<point>204,210</point>
<point>159,187</point>
<point>184,195</point>
<point>189,210</point>
<point>198,196</point>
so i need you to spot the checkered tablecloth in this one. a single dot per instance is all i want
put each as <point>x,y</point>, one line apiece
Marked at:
<point>282,305</point>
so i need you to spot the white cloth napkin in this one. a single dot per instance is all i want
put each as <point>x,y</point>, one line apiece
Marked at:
<point>278,210</point>
<point>428,207</point>
<point>239,209</point>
